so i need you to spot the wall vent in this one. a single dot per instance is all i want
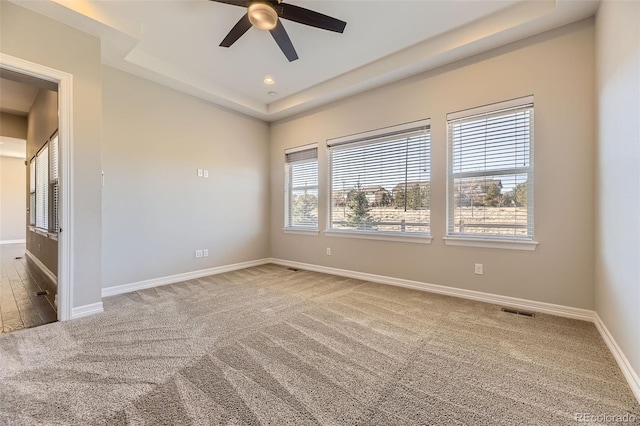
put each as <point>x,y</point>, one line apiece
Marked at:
<point>516,312</point>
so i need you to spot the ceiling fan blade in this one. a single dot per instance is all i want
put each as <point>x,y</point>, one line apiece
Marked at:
<point>242,3</point>
<point>282,38</point>
<point>237,31</point>
<point>309,17</point>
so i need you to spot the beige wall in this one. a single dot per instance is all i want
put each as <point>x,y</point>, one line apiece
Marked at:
<point>156,210</point>
<point>558,69</point>
<point>618,184</point>
<point>36,38</point>
<point>42,123</point>
<point>12,199</point>
<point>12,182</point>
<point>13,126</point>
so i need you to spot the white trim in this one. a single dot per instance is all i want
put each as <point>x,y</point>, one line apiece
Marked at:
<point>405,127</point>
<point>86,310</point>
<point>301,148</point>
<point>417,238</point>
<point>42,267</point>
<point>171,279</point>
<point>13,242</point>
<point>627,370</point>
<point>495,107</point>
<point>301,231</point>
<point>491,243</point>
<point>65,145</point>
<point>496,299</point>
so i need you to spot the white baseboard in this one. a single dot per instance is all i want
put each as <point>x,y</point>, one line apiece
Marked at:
<point>496,299</point>
<point>171,279</point>
<point>23,241</point>
<point>42,267</point>
<point>86,310</point>
<point>627,370</point>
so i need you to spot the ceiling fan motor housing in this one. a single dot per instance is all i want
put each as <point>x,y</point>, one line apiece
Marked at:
<point>262,15</point>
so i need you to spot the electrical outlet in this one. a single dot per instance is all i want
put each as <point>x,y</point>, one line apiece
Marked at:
<point>328,251</point>
<point>198,253</point>
<point>478,269</point>
<point>205,252</point>
<point>200,171</point>
<point>206,173</point>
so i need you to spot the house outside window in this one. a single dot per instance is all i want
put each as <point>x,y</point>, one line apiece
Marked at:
<point>490,171</point>
<point>380,181</point>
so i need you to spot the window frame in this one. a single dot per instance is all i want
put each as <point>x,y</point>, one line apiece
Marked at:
<point>491,240</point>
<point>372,137</point>
<point>288,190</point>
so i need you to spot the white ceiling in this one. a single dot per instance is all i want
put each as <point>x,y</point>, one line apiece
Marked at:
<point>175,43</point>
<point>16,98</point>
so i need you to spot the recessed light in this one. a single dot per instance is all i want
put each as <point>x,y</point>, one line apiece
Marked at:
<point>274,94</point>
<point>268,80</point>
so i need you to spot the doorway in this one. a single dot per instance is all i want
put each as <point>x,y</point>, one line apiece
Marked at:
<point>27,294</point>
<point>49,78</point>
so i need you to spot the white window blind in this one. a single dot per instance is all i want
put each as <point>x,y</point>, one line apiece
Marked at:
<point>32,191</point>
<point>301,188</point>
<point>42,188</point>
<point>490,191</point>
<point>54,182</point>
<point>380,180</point>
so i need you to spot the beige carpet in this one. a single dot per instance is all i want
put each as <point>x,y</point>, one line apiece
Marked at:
<point>267,345</point>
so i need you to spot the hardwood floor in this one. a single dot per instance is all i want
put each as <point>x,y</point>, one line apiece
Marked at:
<point>20,281</point>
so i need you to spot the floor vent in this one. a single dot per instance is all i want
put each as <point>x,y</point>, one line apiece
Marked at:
<point>42,293</point>
<point>19,257</point>
<point>516,312</point>
<point>293,269</point>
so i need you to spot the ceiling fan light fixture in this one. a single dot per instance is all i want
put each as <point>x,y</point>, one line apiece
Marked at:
<point>263,16</point>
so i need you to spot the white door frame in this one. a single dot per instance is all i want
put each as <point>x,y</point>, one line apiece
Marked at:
<point>65,144</point>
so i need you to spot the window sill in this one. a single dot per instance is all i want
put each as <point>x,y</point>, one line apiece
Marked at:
<point>491,243</point>
<point>52,236</point>
<point>42,232</point>
<point>31,228</point>
<point>383,236</point>
<point>301,231</point>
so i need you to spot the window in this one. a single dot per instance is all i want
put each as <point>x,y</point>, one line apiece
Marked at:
<point>42,188</point>
<point>490,188</point>
<point>380,181</point>
<point>32,192</point>
<point>301,188</point>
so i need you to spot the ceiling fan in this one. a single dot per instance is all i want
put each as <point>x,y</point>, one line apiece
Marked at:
<point>264,14</point>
